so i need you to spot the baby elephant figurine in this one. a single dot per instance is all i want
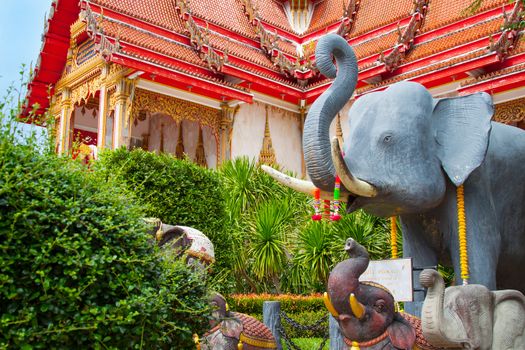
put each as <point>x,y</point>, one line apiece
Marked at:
<point>235,331</point>
<point>365,311</point>
<point>472,316</point>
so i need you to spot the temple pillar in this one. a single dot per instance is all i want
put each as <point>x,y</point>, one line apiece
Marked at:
<point>225,132</point>
<point>65,119</point>
<point>102,112</point>
<point>121,129</point>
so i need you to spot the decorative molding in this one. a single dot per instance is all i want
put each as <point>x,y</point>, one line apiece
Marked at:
<point>510,112</point>
<point>512,30</point>
<point>177,109</point>
<point>200,154</point>
<point>199,38</point>
<point>349,15</point>
<point>405,39</point>
<point>267,154</point>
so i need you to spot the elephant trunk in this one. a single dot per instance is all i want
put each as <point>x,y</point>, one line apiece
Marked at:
<point>436,326</point>
<point>316,140</point>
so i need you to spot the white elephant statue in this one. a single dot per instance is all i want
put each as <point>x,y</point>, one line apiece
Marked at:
<point>471,316</point>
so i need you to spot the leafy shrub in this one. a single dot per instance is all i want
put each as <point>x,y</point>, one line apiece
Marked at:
<point>253,303</point>
<point>78,268</point>
<point>178,192</point>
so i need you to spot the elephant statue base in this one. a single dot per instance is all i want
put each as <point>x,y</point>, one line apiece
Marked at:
<point>235,331</point>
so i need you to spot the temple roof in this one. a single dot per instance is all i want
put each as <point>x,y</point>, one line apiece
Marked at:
<point>244,46</point>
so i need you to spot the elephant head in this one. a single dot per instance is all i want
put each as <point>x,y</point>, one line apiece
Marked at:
<point>365,311</point>
<point>471,316</point>
<point>402,141</point>
<point>233,330</point>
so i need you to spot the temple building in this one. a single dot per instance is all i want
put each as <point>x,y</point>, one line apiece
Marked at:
<point>213,80</point>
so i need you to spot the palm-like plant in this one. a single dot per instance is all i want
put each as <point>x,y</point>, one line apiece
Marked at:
<point>314,251</point>
<point>370,231</point>
<point>268,246</point>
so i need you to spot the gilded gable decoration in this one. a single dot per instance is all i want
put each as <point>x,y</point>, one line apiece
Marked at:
<point>267,154</point>
<point>200,154</point>
<point>510,112</point>
<point>177,109</point>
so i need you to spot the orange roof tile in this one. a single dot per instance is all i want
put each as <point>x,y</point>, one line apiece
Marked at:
<point>454,39</point>
<point>228,14</point>
<point>325,13</point>
<point>272,12</point>
<point>443,12</point>
<point>376,45</point>
<point>158,12</point>
<point>377,13</point>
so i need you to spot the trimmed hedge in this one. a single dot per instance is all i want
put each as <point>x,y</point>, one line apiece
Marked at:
<point>178,192</point>
<point>79,269</point>
<point>291,304</point>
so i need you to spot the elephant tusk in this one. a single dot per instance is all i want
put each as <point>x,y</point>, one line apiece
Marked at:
<point>357,308</point>
<point>302,186</point>
<point>352,184</point>
<point>329,306</point>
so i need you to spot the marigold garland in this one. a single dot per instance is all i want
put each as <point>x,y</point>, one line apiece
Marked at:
<point>462,234</point>
<point>393,237</point>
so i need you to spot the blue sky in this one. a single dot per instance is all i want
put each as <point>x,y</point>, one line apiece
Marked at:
<point>21,27</point>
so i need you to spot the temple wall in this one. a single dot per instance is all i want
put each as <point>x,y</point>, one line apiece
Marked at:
<point>248,134</point>
<point>86,119</point>
<point>190,136</point>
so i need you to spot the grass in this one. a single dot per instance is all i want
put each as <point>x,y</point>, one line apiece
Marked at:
<point>308,343</point>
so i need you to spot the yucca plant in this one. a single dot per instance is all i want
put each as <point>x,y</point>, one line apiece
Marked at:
<point>370,231</point>
<point>314,252</point>
<point>268,241</point>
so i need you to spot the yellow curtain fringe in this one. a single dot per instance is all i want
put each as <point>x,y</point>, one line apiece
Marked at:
<point>462,234</point>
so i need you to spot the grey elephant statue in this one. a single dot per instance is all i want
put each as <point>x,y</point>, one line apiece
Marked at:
<point>405,155</point>
<point>471,316</point>
<point>235,331</point>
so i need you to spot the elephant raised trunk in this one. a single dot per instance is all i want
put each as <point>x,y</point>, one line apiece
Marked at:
<point>439,329</point>
<point>316,140</point>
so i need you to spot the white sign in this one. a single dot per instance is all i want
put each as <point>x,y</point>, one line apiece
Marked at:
<point>394,274</point>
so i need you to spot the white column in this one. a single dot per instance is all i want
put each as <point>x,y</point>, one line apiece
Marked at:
<point>102,117</point>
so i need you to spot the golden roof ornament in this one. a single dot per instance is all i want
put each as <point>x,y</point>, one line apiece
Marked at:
<point>267,154</point>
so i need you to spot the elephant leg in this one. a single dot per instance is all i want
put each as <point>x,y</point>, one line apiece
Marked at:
<point>416,246</point>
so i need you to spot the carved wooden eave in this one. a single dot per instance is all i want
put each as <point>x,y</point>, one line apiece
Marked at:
<point>513,26</point>
<point>406,38</point>
<point>349,16</point>
<point>199,38</point>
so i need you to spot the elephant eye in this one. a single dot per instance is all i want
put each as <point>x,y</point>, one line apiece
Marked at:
<point>387,138</point>
<point>379,306</point>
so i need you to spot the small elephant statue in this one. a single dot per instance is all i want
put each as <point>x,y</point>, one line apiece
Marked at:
<point>235,331</point>
<point>365,311</point>
<point>407,154</point>
<point>472,316</point>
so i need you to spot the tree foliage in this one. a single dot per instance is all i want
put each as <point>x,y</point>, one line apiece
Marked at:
<point>78,267</point>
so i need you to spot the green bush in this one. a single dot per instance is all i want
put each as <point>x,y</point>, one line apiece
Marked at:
<point>78,267</point>
<point>178,192</point>
<point>253,303</point>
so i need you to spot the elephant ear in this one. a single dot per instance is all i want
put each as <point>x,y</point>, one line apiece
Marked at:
<point>402,334</point>
<point>462,129</point>
<point>232,327</point>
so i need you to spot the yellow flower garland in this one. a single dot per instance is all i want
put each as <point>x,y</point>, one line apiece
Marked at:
<point>393,237</point>
<point>462,234</point>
